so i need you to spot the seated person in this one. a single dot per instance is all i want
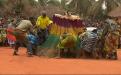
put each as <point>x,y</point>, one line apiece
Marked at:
<point>32,46</point>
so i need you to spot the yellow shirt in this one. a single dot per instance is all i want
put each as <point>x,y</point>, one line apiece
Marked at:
<point>43,22</point>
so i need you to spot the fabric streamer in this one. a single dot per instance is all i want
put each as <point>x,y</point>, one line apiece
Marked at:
<point>61,24</point>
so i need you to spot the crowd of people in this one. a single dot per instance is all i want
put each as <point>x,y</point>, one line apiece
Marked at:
<point>29,32</point>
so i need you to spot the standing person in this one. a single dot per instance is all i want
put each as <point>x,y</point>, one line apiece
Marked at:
<point>21,32</point>
<point>112,39</point>
<point>10,37</point>
<point>42,24</point>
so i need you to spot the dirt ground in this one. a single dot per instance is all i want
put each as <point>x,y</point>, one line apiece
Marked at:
<point>22,64</point>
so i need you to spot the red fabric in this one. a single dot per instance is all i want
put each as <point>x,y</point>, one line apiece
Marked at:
<point>10,35</point>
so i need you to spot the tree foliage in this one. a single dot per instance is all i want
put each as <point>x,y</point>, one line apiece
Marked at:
<point>85,8</point>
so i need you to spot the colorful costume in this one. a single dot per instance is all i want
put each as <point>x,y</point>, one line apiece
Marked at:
<point>67,41</point>
<point>61,24</point>
<point>11,38</point>
<point>88,42</point>
<point>112,39</point>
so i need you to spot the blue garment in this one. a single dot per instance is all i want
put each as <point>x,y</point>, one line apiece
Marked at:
<point>33,42</point>
<point>32,39</point>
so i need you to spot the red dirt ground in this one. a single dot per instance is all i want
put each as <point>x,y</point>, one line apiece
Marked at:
<point>35,65</point>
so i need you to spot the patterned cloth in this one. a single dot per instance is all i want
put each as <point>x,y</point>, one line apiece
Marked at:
<point>111,42</point>
<point>32,38</point>
<point>88,42</point>
<point>112,36</point>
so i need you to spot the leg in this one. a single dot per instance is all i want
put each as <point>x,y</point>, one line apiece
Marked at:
<point>34,49</point>
<point>95,53</point>
<point>44,35</point>
<point>83,53</point>
<point>41,33</point>
<point>108,54</point>
<point>30,48</point>
<point>17,45</point>
<point>59,53</point>
<point>78,53</point>
<point>114,55</point>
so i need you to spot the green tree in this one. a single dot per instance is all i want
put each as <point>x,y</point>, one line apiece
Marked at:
<point>93,8</point>
<point>1,2</point>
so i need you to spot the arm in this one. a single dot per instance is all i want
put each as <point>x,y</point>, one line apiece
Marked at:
<point>37,22</point>
<point>49,21</point>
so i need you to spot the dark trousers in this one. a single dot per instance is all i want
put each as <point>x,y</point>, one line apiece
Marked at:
<point>31,48</point>
<point>21,40</point>
<point>42,35</point>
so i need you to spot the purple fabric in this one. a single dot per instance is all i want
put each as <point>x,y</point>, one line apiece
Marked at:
<point>67,22</point>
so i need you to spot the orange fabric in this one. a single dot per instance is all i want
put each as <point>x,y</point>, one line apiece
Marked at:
<point>10,35</point>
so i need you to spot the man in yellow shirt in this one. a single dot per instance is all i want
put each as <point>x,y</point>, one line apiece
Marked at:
<point>42,27</point>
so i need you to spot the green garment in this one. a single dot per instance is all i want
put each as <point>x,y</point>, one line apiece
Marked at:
<point>68,42</point>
